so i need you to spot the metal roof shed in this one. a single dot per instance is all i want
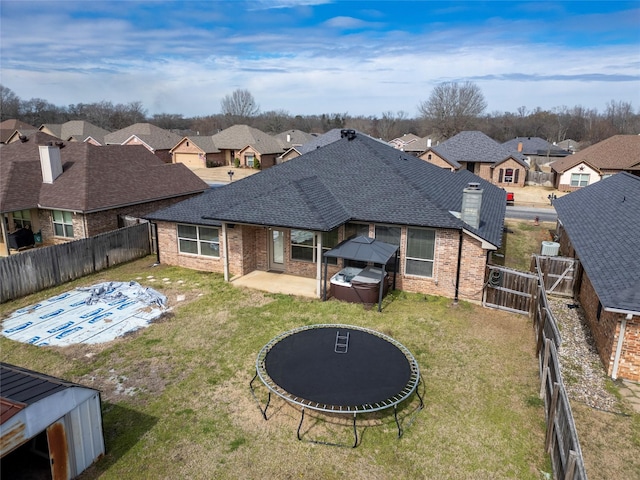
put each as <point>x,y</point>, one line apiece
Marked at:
<point>363,249</point>
<point>33,403</point>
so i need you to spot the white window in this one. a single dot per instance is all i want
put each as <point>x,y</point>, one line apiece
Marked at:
<point>579,179</point>
<point>249,159</point>
<point>420,252</point>
<point>62,223</point>
<point>196,240</point>
<point>303,245</point>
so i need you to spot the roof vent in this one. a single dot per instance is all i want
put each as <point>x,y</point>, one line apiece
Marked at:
<point>22,137</point>
<point>349,133</point>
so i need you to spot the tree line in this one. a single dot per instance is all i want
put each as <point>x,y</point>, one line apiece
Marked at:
<point>450,109</point>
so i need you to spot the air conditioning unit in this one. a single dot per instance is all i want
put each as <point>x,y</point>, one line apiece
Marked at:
<point>550,248</point>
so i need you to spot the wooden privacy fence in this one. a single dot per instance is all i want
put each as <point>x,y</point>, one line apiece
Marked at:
<point>524,292</point>
<point>559,274</point>
<point>509,289</point>
<point>34,270</point>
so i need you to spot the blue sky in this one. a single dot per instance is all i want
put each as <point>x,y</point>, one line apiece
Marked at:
<point>315,56</point>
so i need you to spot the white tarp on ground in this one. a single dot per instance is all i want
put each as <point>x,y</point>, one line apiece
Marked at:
<point>93,314</point>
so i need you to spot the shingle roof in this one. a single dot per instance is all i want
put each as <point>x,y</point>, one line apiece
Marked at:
<point>239,136</point>
<point>620,152</point>
<point>475,146</point>
<point>320,141</point>
<point>603,223</point>
<point>156,137</point>
<point>535,146</point>
<point>8,127</point>
<point>94,178</point>
<point>292,138</point>
<point>78,130</point>
<point>360,179</point>
<point>203,142</point>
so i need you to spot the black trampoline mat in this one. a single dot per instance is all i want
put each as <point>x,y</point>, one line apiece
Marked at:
<point>305,364</point>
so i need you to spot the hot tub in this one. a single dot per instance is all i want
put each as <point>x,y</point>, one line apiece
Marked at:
<point>358,285</point>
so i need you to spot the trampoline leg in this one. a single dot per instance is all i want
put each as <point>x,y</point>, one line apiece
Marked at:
<point>419,396</point>
<point>300,424</point>
<point>264,412</point>
<point>395,415</point>
<point>355,432</point>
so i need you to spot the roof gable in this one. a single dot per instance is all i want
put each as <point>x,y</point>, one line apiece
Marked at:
<point>156,137</point>
<point>605,237</point>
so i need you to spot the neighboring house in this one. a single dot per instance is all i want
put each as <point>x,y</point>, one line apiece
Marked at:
<point>293,138</point>
<point>197,152</point>
<point>71,190</point>
<point>13,128</point>
<point>51,418</point>
<point>411,144</point>
<point>620,153</point>
<point>320,141</point>
<point>476,152</point>
<point>232,140</point>
<point>600,226</point>
<point>536,150</point>
<point>155,139</point>
<point>283,218</point>
<point>569,145</point>
<point>76,131</point>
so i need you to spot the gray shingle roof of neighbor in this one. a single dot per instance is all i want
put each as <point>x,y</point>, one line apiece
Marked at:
<point>238,137</point>
<point>535,146</point>
<point>204,143</point>
<point>78,130</point>
<point>156,137</point>
<point>290,138</point>
<point>475,146</point>
<point>361,179</point>
<point>603,223</point>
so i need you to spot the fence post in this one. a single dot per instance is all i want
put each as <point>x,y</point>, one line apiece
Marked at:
<point>545,368</point>
<point>551,421</point>
<point>542,315</point>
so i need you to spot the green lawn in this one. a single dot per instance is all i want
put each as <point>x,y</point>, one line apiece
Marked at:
<point>177,403</point>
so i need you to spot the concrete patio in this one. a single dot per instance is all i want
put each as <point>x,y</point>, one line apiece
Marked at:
<point>277,283</point>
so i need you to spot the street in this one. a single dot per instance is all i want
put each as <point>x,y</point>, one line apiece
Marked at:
<point>544,214</point>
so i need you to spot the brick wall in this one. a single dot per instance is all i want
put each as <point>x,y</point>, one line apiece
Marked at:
<point>435,159</point>
<point>606,331</point>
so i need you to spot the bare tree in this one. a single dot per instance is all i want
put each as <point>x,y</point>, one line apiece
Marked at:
<point>239,104</point>
<point>453,107</point>
<point>9,104</point>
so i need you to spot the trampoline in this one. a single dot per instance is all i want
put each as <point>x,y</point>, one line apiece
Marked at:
<point>339,369</point>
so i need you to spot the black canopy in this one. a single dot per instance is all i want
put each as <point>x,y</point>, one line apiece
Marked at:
<point>363,249</point>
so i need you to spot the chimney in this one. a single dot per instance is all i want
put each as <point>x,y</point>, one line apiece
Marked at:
<point>288,138</point>
<point>428,142</point>
<point>50,163</point>
<point>519,147</point>
<point>471,204</point>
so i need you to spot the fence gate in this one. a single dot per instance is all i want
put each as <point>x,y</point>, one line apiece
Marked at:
<point>509,289</point>
<point>559,274</point>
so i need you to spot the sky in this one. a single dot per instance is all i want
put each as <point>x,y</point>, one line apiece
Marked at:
<point>306,57</point>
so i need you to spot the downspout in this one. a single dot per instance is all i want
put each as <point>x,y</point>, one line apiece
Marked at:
<point>225,261</point>
<point>455,298</point>
<point>319,266</point>
<point>5,235</point>
<point>616,361</point>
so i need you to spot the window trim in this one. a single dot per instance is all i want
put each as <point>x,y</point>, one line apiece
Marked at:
<point>580,176</point>
<point>63,224</point>
<point>198,241</point>
<point>419,259</point>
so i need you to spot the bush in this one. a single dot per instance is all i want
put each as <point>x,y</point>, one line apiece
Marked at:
<point>236,162</point>
<point>256,164</point>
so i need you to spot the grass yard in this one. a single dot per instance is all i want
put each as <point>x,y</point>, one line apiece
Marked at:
<point>177,404</point>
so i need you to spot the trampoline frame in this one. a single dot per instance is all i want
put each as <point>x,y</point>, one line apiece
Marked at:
<point>405,393</point>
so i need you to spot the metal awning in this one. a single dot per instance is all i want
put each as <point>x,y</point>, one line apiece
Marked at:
<point>364,249</point>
